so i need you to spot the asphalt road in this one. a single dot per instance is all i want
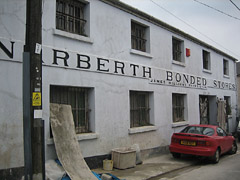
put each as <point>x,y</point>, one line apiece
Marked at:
<point>228,168</point>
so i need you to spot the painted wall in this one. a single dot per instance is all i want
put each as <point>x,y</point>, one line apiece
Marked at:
<point>97,62</point>
<point>12,25</point>
<point>110,41</point>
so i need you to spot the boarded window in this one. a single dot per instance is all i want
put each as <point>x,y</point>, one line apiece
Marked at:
<point>177,50</point>
<point>206,60</point>
<point>139,109</point>
<point>138,37</point>
<point>70,16</point>
<point>78,99</point>
<point>178,107</point>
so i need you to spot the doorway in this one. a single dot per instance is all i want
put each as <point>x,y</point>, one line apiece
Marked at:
<point>208,109</point>
<point>204,109</point>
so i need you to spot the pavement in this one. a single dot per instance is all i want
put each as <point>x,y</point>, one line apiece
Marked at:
<point>151,167</point>
<point>155,166</point>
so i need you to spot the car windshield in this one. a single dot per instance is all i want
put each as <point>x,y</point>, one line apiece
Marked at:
<point>198,130</point>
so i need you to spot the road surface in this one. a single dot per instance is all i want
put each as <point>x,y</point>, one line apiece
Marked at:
<point>228,168</point>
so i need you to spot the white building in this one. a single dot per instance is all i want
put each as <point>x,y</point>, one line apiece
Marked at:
<point>132,78</point>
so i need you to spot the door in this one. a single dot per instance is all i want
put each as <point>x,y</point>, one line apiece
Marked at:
<point>204,109</point>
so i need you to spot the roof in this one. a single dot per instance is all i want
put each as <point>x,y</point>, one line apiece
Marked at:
<point>131,10</point>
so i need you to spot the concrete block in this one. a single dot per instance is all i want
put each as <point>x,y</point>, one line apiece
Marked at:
<point>124,158</point>
<point>106,177</point>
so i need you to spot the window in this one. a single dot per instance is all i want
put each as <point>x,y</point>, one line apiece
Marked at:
<point>70,16</point>
<point>139,37</point>
<point>206,60</point>
<point>198,130</point>
<point>139,109</point>
<point>177,50</point>
<point>225,67</point>
<point>78,99</point>
<point>221,132</point>
<point>178,107</point>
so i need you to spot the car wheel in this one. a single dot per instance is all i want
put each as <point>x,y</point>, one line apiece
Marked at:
<point>216,156</point>
<point>234,148</point>
<point>176,155</point>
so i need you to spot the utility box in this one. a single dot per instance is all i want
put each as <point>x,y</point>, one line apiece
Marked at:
<point>124,158</point>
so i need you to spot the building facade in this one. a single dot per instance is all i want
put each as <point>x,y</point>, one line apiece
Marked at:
<point>130,78</point>
<point>238,86</point>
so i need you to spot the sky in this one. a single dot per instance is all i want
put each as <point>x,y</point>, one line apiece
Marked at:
<point>216,22</point>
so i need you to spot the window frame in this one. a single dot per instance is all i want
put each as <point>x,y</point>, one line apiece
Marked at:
<point>225,67</point>
<point>71,16</point>
<point>179,108</point>
<point>178,50</point>
<point>72,96</point>
<point>139,37</point>
<point>206,59</point>
<point>138,111</point>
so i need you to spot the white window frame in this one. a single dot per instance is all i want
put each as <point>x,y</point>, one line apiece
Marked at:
<point>85,37</point>
<point>184,108</point>
<point>137,108</point>
<point>178,48</point>
<point>225,68</point>
<point>206,61</point>
<point>65,95</point>
<point>135,37</point>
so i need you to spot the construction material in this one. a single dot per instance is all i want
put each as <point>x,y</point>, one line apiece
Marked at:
<point>124,158</point>
<point>66,144</point>
<point>106,177</point>
<point>138,153</point>
<point>53,170</point>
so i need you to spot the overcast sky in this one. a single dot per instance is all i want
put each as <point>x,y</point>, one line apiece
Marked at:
<point>216,22</point>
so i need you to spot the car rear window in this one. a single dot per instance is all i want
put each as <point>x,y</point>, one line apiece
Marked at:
<point>198,130</point>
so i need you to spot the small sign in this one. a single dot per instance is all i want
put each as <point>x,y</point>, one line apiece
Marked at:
<point>37,114</point>
<point>36,99</point>
<point>38,48</point>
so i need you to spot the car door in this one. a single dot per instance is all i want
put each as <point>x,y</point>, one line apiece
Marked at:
<point>223,140</point>
<point>229,141</point>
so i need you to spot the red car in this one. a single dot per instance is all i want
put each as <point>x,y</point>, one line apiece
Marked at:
<point>202,140</point>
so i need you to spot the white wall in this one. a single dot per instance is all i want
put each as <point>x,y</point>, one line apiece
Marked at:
<point>12,25</point>
<point>110,116</point>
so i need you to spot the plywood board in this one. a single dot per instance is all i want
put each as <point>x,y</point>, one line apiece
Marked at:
<point>66,144</point>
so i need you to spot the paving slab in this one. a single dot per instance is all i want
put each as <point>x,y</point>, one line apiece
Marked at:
<point>151,167</point>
